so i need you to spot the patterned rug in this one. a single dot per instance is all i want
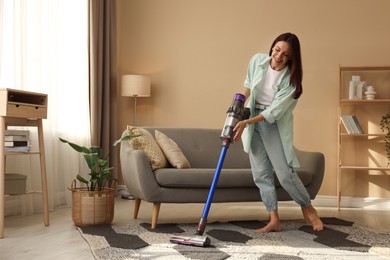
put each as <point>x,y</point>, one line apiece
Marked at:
<point>238,240</point>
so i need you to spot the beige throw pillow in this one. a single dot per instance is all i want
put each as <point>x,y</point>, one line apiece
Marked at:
<point>172,151</point>
<point>148,144</point>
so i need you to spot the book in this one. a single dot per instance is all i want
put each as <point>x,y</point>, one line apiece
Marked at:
<point>15,143</point>
<point>346,123</point>
<point>351,124</point>
<point>16,138</point>
<point>17,149</point>
<point>358,126</point>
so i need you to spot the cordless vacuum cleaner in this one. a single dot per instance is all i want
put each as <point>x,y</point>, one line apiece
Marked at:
<point>235,113</point>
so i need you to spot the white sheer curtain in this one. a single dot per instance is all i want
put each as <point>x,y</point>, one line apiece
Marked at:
<point>44,48</point>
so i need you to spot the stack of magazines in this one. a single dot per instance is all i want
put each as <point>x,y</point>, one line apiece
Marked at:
<point>17,141</point>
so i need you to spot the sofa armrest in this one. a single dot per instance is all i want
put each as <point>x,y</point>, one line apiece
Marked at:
<point>137,173</point>
<point>314,163</point>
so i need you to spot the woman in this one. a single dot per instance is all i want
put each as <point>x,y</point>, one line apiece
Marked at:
<point>272,87</point>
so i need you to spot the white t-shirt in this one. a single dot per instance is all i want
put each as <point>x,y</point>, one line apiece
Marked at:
<point>266,90</point>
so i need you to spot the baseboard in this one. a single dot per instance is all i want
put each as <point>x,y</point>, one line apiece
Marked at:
<point>349,202</point>
<point>353,202</point>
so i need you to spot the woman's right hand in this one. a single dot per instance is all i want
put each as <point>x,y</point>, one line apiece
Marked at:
<point>238,129</point>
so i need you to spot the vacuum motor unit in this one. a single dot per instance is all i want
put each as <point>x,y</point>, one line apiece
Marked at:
<point>236,112</point>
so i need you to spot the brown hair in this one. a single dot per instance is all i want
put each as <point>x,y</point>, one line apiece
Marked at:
<point>295,61</point>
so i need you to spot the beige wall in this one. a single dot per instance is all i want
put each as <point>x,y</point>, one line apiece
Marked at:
<point>196,53</point>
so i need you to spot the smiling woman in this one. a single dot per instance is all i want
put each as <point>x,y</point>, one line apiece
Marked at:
<point>44,48</point>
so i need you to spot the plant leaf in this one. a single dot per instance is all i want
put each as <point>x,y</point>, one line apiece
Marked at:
<point>81,179</point>
<point>97,150</point>
<point>125,138</point>
<point>100,172</point>
<point>78,148</point>
<point>92,160</point>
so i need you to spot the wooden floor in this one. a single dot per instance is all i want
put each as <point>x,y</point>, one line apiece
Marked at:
<point>27,237</point>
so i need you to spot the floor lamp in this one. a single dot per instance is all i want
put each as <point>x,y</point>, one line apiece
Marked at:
<point>135,86</point>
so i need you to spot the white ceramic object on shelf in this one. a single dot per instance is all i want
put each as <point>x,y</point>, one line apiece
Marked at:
<point>353,87</point>
<point>370,93</point>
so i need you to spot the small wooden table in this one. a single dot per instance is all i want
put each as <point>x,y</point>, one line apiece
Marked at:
<point>23,108</point>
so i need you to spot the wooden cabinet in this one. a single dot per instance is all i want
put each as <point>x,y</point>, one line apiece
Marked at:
<point>362,153</point>
<point>22,108</point>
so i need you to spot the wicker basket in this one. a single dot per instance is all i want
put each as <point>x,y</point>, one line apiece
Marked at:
<point>92,207</point>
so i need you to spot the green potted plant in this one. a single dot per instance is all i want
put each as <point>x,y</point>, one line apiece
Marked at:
<point>94,203</point>
<point>385,127</point>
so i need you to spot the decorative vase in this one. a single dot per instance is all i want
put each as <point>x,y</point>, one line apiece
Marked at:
<point>353,87</point>
<point>370,93</point>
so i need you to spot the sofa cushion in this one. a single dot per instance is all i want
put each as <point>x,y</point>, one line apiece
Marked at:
<point>202,147</point>
<point>148,144</point>
<point>202,178</point>
<point>171,151</point>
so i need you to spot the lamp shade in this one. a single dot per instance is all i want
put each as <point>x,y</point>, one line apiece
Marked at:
<point>135,86</point>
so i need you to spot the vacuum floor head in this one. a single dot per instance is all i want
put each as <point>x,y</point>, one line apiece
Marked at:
<point>190,240</point>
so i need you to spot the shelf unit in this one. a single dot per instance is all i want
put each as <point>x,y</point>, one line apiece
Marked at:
<point>363,153</point>
<point>23,108</point>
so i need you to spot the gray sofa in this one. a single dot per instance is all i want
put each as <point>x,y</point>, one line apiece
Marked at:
<point>202,147</point>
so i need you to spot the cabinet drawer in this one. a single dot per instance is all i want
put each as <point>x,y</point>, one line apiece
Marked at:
<point>26,111</point>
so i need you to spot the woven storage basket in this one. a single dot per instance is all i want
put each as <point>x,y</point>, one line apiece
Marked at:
<point>92,207</point>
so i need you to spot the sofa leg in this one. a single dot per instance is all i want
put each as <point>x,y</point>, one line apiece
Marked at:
<point>137,204</point>
<point>156,210</point>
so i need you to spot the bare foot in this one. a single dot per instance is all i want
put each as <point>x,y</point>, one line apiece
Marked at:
<point>311,217</point>
<point>272,226</point>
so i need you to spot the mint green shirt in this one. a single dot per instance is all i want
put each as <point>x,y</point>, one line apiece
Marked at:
<point>280,111</point>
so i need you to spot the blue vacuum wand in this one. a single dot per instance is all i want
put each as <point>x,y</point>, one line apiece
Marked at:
<point>235,113</point>
<point>203,221</point>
